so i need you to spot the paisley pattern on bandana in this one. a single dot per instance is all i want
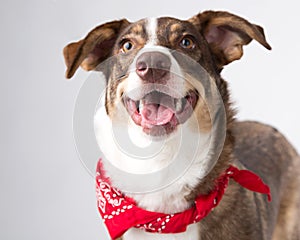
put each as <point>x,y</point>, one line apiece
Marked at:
<point>121,213</point>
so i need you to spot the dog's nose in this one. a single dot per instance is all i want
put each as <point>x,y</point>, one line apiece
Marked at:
<point>153,67</point>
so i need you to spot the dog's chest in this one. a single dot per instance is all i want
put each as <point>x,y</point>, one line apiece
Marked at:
<point>192,233</point>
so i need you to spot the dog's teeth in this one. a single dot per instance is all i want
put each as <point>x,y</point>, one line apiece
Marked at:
<point>178,105</point>
<point>141,105</point>
<point>137,104</point>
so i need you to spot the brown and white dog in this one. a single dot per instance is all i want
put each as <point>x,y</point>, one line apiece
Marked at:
<point>159,104</point>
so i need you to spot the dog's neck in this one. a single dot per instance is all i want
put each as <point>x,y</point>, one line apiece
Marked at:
<point>179,195</point>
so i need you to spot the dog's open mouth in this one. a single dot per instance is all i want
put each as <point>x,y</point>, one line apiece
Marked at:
<point>158,113</point>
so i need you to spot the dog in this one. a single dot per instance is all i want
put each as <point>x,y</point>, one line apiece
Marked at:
<point>154,94</point>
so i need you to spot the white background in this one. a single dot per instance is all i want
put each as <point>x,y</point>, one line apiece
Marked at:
<point>45,191</point>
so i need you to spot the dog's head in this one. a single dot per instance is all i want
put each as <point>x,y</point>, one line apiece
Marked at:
<point>149,66</point>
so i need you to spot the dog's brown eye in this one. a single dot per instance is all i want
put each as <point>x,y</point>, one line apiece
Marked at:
<point>187,42</point>
<point>127,46</point>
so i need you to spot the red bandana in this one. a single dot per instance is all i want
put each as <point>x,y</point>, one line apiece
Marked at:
<point>120,212</point>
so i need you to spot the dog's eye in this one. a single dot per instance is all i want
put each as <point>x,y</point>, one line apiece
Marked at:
<point>187,42</point>
<point>126,46</point>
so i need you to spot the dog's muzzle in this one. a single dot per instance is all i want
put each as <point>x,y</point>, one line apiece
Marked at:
<point>154,105</point>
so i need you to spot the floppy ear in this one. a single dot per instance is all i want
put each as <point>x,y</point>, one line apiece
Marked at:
<point>226,34</point>
<point>94,48</point>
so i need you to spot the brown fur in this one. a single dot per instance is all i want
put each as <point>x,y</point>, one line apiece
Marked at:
<point>242,214</point>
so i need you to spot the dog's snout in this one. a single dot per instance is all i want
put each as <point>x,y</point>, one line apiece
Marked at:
<point>153,66</point>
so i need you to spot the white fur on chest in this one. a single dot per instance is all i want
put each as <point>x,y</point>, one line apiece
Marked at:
<point>170,199</point>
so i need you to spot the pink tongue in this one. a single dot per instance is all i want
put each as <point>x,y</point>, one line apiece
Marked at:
<point>154,114</point>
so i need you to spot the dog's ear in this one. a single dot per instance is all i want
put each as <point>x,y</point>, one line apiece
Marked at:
<point>226,34</point>
<point>94,48</point>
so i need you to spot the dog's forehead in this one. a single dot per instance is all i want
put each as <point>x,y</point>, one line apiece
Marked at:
<point>171,30</point>
<point>173,25</point>
<point>158,30</point>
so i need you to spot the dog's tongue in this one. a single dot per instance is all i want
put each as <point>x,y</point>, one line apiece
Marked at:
<point>157,110</point>
<point>154,114</point>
